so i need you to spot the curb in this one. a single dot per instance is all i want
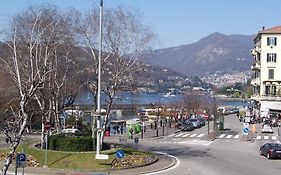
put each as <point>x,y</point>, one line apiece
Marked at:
<point>160,169</point>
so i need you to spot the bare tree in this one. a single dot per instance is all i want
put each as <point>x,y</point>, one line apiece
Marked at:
<point>37,46</point>
<point>125,38</point>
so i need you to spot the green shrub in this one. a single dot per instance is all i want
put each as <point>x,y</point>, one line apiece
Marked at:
<point>73,144</point>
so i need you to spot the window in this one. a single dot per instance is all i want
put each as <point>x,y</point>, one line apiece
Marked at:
<point>267,90</point>
<point>271,57</point>
<point>274,92</point>
<point>270,73</point>
<point>271,41</point>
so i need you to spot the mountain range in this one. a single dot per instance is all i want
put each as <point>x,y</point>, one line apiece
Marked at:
<point>216,53</point>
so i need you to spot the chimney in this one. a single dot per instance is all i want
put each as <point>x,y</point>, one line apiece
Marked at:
<point>263,28</point>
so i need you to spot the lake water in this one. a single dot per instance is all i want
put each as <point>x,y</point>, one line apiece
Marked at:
<point>124,98</point>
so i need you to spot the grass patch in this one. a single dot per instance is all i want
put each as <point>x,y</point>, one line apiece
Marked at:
<point>65,160</point>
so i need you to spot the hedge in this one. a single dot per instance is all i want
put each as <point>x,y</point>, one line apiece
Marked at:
<point>73,144</point>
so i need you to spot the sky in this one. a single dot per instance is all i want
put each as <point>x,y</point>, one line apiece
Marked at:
<point>176,22</point>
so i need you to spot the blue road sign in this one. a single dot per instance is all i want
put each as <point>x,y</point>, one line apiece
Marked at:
<point>21,160</point>
<point>120,154</point>
<point>246,131</point>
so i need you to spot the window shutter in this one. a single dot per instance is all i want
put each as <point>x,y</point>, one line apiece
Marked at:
<point>267,58</point>
<point>275,41</point>
<point>268,40</point>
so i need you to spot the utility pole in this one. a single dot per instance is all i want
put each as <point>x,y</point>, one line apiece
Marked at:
<point>99,84</point>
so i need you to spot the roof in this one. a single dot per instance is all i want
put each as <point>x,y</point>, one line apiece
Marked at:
<point>273,30</point>
<point>276,29</point>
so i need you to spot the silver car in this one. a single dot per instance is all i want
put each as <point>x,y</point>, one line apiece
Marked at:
<point>195,122</point>
<point>266,128</point>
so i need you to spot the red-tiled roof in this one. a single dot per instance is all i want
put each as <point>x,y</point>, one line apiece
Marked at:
<point>276,29</point>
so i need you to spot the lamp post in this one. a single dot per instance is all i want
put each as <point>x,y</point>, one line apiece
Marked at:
<point>99,83</point>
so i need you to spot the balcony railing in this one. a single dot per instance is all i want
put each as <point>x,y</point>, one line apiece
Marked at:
<point>256,81</point>
<point>255,97</point>
<point>256,50</point>
<point>270,97</point>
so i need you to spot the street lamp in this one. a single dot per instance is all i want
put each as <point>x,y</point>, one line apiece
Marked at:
<point>99,84</point>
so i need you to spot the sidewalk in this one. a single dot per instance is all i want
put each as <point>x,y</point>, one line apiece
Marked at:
<point>163,162</point>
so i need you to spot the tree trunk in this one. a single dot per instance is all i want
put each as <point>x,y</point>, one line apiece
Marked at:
<point>16,142</point>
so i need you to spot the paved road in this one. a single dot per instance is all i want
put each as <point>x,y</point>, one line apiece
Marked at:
<point>196,154</point>
<point>231,156</point>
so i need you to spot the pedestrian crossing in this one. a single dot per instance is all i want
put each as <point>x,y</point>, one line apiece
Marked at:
<point>259,137</point>
<point>178,136</point>
<point>185,135</point>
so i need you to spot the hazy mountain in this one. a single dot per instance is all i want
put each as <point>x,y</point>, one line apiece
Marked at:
<point>215,53</point>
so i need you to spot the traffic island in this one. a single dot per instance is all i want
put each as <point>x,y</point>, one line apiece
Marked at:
<point>133,161</point>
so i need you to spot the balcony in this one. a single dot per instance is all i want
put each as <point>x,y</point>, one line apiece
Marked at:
<point>255,97</point>
<point>256,50</point>
<point>270,98</point>
<point>256,81</point>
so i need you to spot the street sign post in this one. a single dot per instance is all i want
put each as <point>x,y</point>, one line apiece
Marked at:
<point>246,129</point>
<point>102,156</point>
<point>21,160</point>
<point>120,154</point>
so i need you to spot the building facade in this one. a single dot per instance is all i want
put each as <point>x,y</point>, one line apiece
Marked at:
<point>266,67</point>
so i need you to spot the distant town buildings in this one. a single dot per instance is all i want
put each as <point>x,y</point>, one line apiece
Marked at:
<point>225,80</point>
<point>266,68</point>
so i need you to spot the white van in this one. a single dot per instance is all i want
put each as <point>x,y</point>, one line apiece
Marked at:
<point>71,131</point>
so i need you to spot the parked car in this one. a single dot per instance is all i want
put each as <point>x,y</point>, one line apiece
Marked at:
<point>201,120</point>
<point>71,131</point>
<point>195,122</point>
<point>271,150</point>
<point>187,126</point>
<point>266,127</point>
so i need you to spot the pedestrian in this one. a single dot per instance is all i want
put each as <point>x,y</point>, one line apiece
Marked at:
<point>155,124</point>
<point>121,129</point>
<point>151,125</point>
<point>131,133</point>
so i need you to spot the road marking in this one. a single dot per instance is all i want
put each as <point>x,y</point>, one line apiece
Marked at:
<point>236,136</point>
<point>171,135</point>
<point>265,137</point>
<point>177,139</point>
<point>197,142</point>
<point>179,135</point>
<point>229,136</point>
<point>177,162</point>
<point>193,135</point>
<point>258,137</point>
<point>221,136</point>
<point>200,135</point>
<point>185,135</point>
<point>274,138</point>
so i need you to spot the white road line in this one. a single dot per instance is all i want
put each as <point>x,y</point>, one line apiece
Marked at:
<point>258,137</point>
<point>265,137</point>
<point>185,135</point>
<point>221,136</point>
<point>197,142</point>
<point>236,136</point>
<point>178,135</point>
<point>171,135</point>
<point>200,135</point>
<point>177,139</point>
<point>229,136</point>
<point>177,162</point>
<point>274,138</point>
<point>193,135</point>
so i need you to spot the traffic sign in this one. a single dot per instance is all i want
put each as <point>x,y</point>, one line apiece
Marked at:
<point>47,125</point>
<point>246,131</point>
<point>21,160</point>
<point>120,154</point>
<point>102,156</point>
